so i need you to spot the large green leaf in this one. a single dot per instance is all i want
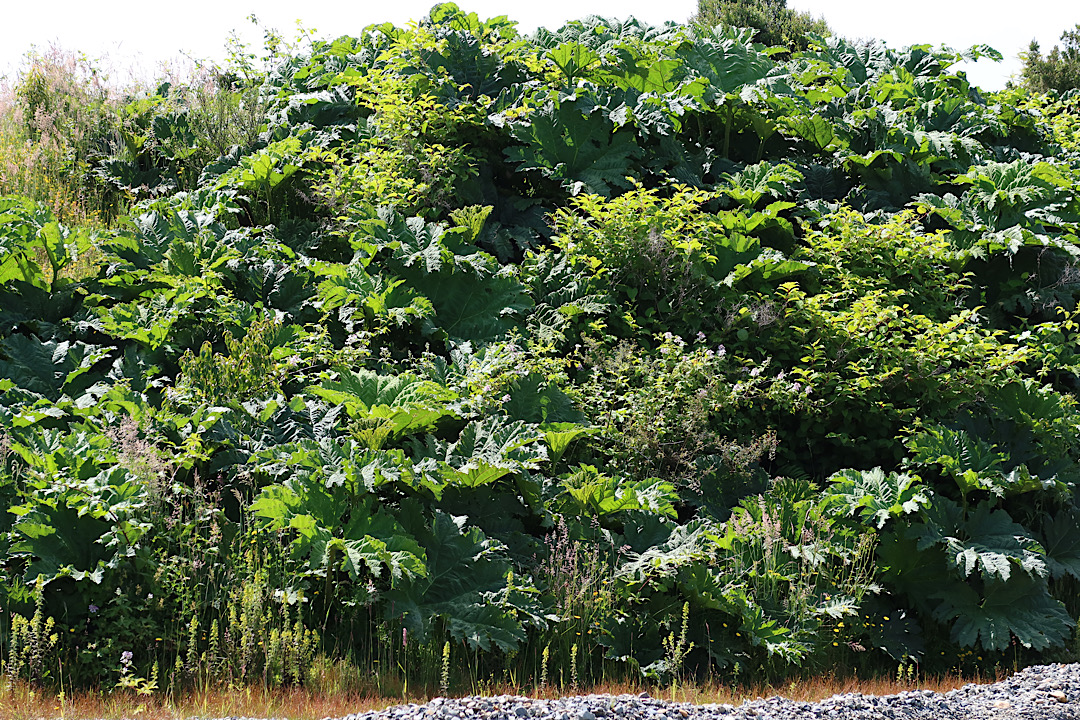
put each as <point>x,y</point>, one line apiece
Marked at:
<point>875,496</point>
<point>465,584</point>
<point>1020,607</point>
<point>1062,543</point>
<point>574,60</point>
<point>404,404</point>
<point>351,286</point>
<point>934,563</point>
<point>986,539</point>
<point>50,368</point>
<point>368,389</point>
<point>752,183</point>
<point>485,451</point>
<point>61,542</point>
<point>727,58</point>
<point>562,293</point>
<point>494,439</point>
<point>559,437</point>
<point>34,247</point>
<point>576,145</point>
<point>16,237</point>
<point>475,308</point>
<point>152,323</point>
<point>763,630</point>
<point>263,171</point>
<point>536,399</point>
<point>334,528</point>
<point>917,574</point>
<point>597,495</point>
<point>684,544</point>
<point>333,462</point>
<point>81,528</point>
<point>970,461</point>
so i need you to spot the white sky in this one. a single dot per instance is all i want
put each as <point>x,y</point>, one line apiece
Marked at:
<point>136,36</point>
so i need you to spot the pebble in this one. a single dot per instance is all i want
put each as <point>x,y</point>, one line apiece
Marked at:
<point>1043,692</point>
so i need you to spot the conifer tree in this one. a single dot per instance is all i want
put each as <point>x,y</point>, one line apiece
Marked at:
<point>1060,70</point>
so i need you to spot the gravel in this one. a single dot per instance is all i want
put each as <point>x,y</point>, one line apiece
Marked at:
<point>1045,692</point>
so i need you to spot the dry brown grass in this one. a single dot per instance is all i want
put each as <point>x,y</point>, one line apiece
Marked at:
<point>23,704</point>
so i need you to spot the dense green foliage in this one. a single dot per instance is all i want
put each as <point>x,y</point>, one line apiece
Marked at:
<point>613,349</point>
<point>1059,70</point>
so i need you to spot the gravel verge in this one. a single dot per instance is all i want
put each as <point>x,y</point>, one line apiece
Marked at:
<point>1043,692</point>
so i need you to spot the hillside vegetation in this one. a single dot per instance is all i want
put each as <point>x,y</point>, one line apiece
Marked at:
<point>443,355</point>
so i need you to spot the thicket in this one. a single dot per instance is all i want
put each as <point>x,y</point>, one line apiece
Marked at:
<point>441,355</point>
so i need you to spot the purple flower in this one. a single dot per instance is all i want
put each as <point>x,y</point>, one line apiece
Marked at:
<point>721,351</point>
<point>755,372</point>
<point>700,336</point>
<point>93,608</point>
<point>126,657</point>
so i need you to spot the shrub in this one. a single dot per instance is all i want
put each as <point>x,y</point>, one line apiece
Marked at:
<point>774,22</point>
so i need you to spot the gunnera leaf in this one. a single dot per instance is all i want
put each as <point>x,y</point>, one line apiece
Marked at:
<point>985,539</point>
<point>1062,543</point>
<point>875,496</point>
<point>465,585</point>
<point>1019,607</point>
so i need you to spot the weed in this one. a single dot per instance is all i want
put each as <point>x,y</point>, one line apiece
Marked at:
<point>677,648</point>
<point>31,642</point>
<point>545,660</point>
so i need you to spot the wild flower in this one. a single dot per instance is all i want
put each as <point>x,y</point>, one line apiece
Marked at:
<point>137,454</point>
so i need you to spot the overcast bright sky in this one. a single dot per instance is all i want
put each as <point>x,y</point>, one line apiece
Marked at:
<point>141,35</point>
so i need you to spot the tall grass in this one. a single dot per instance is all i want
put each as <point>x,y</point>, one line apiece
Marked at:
<point>64,121</point>
<point>54,119</point>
